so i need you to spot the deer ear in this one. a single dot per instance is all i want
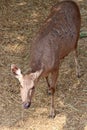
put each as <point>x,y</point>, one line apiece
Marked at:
<point>16,71</point>
<point>36,74</point>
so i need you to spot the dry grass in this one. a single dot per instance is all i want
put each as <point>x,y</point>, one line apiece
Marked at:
<point>19,23</point>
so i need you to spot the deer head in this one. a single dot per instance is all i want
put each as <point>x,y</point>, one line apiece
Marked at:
<point>27,84</point>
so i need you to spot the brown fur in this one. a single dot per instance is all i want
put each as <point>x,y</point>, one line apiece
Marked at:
<point>57,38</point>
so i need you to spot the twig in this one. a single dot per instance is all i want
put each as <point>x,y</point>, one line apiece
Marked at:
<point>84,90</point>
<point>15,99</point>
<point>72,107</point>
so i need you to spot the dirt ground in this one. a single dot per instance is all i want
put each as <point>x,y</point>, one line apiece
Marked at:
<point>19,22</point>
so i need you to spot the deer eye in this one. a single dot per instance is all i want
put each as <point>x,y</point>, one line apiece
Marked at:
<point>33,88</point>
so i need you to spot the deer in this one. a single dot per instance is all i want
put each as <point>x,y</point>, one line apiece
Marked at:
<point>54,41</point>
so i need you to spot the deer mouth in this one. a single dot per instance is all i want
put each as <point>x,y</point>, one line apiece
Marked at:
<point>26,105</point>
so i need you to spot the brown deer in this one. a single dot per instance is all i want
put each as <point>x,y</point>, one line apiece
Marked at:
<point>57,38</point>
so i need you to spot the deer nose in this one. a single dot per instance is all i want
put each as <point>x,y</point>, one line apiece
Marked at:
<point>26,105</point>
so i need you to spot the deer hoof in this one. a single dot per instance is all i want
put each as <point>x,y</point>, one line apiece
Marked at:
<point>78,75</point>
<point>52,115</point>
<point>49,92</point>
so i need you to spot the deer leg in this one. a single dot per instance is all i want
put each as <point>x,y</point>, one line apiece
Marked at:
<point>52,88</point>
<point>77,64</point>
<point>48,84</point>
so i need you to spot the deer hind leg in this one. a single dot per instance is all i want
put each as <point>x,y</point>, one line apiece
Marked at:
<point>77,64</point>
<point>54,76</point>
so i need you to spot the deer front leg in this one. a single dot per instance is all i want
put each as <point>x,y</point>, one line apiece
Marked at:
<point>48,84</point>
<point>52,88</point>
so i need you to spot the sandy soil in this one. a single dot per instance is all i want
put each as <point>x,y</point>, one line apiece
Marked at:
<point>19,22</point>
